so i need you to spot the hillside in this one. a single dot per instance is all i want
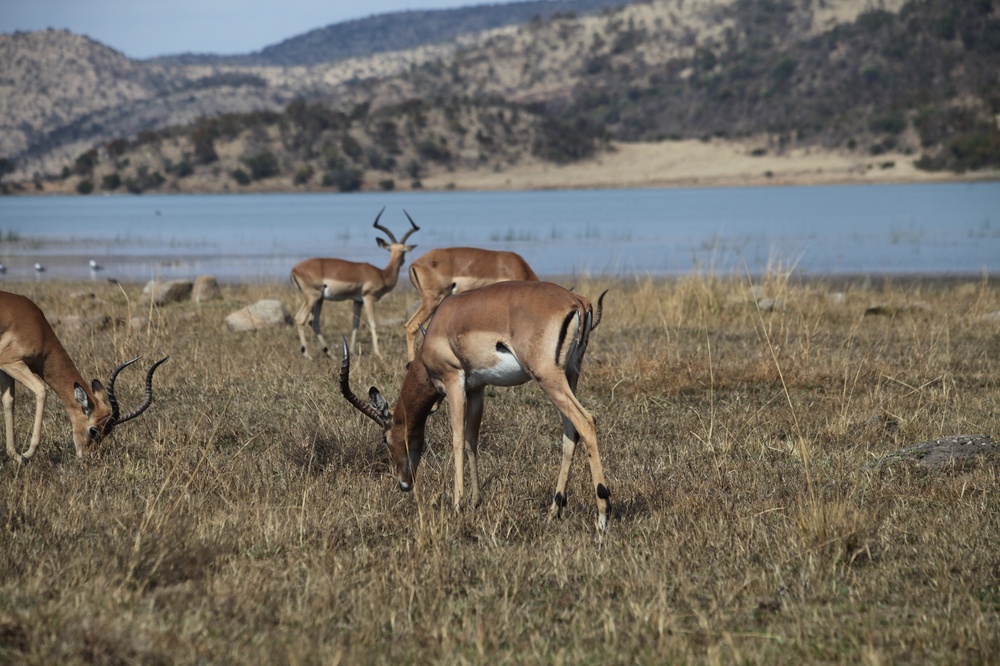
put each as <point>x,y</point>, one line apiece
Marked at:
<point>395,31</point>
<point>911,82</point>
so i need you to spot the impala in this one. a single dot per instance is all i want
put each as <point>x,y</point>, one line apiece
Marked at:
<point>339,280</point>
<point>31,353</point>
<point>453,270</point>
<point>500,335</point>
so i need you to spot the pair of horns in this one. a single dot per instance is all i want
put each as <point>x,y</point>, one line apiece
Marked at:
<point>388,233</point>
<point>115,413</point>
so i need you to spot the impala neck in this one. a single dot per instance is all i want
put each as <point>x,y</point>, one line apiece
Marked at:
<point>417,398</point>
<point>60,373</point>
<point>390,274</point>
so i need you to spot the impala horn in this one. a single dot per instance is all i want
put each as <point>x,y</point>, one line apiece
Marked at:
<point>381,228</point>
<point>345,389</point>
<point>115,414</point>
<point>414,225</point>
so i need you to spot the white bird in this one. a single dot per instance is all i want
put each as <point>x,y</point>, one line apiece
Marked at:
<point>94,266</point>
<point>3,269</point>
<point>39,268</point>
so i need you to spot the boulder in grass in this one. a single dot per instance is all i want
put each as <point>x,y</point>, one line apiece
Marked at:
<point>206,288</point>
<point>85,324</point>
<point>171,291</point>
<point>262,314</point>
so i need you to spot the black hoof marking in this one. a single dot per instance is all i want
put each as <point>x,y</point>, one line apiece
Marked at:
<point>559,500</point>
<point>602,492</point>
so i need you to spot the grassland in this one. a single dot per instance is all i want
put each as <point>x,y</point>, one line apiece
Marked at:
<point>250,515</point>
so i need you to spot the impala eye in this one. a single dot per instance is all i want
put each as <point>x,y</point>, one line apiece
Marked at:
<point>95,434</point>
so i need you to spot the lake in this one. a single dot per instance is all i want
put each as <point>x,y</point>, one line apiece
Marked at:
<point>934,229</point>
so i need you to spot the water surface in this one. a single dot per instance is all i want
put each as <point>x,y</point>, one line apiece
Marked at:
<point>825,230</point>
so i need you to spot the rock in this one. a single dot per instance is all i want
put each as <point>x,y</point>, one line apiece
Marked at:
<point>85,324</point>
<point>770,305</point>
<point>172,291</point>
<point>259,315</point>
<point>956,452</point>
<point>889,310</point>
<point>206,287</point>
<point>140,323</point>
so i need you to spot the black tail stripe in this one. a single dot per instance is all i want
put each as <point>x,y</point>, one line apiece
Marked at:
<point>562,334</point>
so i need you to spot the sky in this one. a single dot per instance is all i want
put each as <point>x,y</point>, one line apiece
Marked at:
<point>147,28</point>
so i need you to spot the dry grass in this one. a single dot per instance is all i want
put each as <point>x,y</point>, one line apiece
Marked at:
<point>250,516</point>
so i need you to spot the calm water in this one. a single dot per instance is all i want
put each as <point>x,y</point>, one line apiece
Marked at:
<point>874,230</point>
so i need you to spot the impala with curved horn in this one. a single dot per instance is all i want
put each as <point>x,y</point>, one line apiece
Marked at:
<point>452,270</point>
<point>321,280</point>
<point>503,334</point>
<point>31,353</point>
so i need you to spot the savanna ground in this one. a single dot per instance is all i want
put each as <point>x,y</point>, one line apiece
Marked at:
<point>250,516</point>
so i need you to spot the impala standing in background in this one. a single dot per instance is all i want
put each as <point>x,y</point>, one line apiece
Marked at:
<point>503,334</point>
<point>31,353</point>
<point>340,280</point>
<point>453,270</point>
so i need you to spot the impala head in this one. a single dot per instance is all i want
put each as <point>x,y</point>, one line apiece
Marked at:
<point>399,245</point>
<point>99,412</point>
<point>404,447</point>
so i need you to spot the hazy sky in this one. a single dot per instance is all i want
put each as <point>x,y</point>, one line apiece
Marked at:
<point>145,28</point>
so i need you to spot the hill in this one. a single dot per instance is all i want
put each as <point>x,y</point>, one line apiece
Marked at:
<point>913,81</point>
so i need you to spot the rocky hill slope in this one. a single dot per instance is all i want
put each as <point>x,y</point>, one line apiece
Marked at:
<point>917,79</point>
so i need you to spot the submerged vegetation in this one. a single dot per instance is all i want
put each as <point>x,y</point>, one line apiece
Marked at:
<point>251,516</point>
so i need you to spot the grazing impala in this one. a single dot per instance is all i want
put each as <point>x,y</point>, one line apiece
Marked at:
<point>453,270</point>
<point>31,354</point>
<point>339,280</point>
<point>500,335</point>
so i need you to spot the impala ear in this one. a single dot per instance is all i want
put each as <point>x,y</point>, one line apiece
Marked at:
<point>379,403</point>
<point>81,397</point>
<point>96,387</point>
<point>409,248</point>
<point>382,244</point>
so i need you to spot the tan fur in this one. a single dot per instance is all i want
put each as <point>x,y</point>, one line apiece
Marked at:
<point>454,270</point>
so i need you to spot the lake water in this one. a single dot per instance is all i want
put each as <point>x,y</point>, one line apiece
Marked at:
<point>827,230</point>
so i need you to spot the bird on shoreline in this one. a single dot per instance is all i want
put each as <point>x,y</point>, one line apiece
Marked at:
<point>39,268</point>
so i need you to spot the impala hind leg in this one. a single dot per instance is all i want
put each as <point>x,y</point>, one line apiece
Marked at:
<point>578,425</point>
<point>308,313</point>
<point>7,389</point>
<point>355,322</point>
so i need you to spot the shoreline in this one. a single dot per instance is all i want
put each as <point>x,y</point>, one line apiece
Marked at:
<point>686,164</point>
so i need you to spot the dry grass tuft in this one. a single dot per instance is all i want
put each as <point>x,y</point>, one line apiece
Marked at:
<point>251,517</point>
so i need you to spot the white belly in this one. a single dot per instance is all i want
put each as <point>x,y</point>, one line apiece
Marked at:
<point>507,371</point>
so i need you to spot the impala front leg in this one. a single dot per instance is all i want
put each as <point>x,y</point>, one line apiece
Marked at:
<point>370,313</point>
<point>457,413</point>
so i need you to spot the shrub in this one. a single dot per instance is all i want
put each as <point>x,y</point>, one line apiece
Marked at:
<point>264,165</point>
<point>112,181</point>
<point>85,186</point>
<point>303,174</point>
<point>240,176</point>
<point>345,179</point>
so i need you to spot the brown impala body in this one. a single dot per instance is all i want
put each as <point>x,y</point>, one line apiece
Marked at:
<point>321,280</point>
<point>453,270</point>
<point>31,354</point>
<point>503,334</point>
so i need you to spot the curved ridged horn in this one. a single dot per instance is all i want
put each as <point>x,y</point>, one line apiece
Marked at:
<point>111,388</point>
<point>345,389</point>
<point>410,231</point>
<point>149,392</point>
<point>381,228</point>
